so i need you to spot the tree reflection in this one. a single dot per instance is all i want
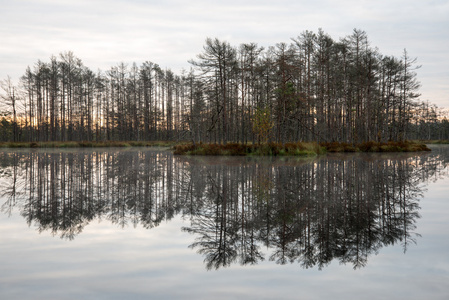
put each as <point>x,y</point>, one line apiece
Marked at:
<point>244,210</point>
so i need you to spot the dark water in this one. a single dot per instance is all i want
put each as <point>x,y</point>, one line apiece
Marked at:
<point>144,224</point>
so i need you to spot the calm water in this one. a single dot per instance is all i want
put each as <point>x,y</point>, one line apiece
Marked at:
<point>144,224</point>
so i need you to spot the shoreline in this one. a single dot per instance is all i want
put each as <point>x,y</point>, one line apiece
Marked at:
<point>86,144</point>
<point>237,149</point>
<point>296,149</point>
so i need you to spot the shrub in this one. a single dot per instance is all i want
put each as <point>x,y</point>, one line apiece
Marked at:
<point>369,146</point>
<point>338,147</point>
<point>184,148</point>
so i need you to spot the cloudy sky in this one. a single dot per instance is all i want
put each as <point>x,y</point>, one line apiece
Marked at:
<point>104,33</point>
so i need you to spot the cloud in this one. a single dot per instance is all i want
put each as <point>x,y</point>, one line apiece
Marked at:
<point>104,33</point>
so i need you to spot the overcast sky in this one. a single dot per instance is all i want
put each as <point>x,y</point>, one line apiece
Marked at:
<point>105,33</point>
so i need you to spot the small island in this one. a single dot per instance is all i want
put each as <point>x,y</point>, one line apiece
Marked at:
<point>332,95</point>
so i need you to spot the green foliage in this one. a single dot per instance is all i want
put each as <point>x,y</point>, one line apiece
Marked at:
<point>6,129</point>
<point>287,91</point>
<point>262,124</point>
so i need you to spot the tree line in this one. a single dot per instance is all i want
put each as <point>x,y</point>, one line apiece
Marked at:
<point>313,89</point>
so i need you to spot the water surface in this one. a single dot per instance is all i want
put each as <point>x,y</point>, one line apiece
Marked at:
<point>144,224</point>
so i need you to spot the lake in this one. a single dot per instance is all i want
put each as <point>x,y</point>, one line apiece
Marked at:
<point>140,223</point>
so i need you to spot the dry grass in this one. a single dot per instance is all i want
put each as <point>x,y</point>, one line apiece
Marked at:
<point>437,142</point>
<point>86,144</point>
<point>370,146</point>
<point>236,149</point>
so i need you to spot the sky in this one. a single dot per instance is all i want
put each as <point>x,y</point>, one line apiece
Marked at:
<point>104,33</point>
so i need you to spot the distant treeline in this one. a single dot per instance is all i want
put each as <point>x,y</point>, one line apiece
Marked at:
<point>313,89</point>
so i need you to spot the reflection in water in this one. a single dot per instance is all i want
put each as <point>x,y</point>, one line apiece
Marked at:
<point>343,207</point>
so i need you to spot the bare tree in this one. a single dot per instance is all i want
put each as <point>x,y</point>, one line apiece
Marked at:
<point>9,98</point>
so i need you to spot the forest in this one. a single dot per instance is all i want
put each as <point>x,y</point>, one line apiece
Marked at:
<point>314,88</point>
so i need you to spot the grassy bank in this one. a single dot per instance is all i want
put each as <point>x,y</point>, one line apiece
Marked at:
<point>403,146</point>
<point>435,142</point>
<point>86,144</point>
<point>295,149</point>
<point>236,149</point>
